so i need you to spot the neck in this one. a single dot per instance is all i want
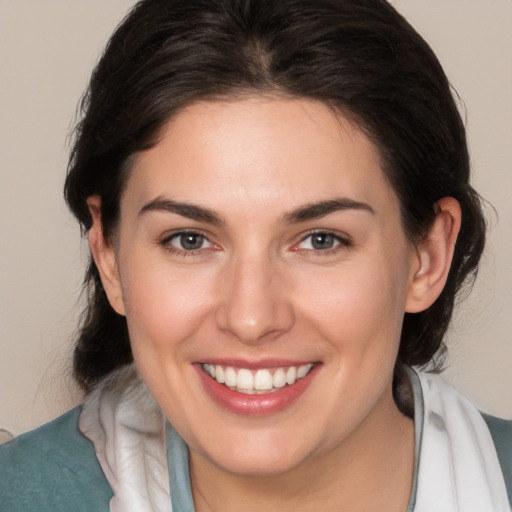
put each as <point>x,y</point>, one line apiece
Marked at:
<point>371,470</point>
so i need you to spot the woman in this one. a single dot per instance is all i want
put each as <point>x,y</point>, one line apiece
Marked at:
<point>277,201</point>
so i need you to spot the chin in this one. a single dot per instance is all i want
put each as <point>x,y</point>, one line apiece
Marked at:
<point>263,464</point>
<point>259,453</point>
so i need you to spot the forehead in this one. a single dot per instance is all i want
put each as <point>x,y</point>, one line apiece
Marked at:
<point>258,153</point>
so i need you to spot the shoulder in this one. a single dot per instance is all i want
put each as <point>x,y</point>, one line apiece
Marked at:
<point>52,468</point>
<point>501,432</point>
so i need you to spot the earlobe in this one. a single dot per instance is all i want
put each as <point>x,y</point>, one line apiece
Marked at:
<point>434,256</point>
<point>104,257</point>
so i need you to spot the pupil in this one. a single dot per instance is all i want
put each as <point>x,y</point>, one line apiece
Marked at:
<point>322,241</point>
<point>191,241</point>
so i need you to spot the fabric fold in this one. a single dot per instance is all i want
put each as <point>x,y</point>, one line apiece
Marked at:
<point>127,428</point>
<point>458,468</point>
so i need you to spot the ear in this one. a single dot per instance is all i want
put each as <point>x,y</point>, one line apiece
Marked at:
<point>434,256</point>
<point>105,257</point>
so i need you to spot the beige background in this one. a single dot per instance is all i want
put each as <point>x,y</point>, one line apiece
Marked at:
<point>47,50</point>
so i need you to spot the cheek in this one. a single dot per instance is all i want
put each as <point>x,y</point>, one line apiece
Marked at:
<point>359,307</point>
<point>163,305</point>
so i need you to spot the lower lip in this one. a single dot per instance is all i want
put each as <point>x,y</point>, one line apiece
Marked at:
<point>257,404</point>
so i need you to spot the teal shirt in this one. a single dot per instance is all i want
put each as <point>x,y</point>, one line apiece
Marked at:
<point>54,469</point>
<point>501,431</point>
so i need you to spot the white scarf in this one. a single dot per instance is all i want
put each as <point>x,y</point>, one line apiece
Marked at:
<point>458,468</point>
<point>458,465</point>
<point>127,428</point>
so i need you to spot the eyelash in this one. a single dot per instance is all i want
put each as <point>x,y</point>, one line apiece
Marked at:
<point>167,245</point>
<point>341,243</point>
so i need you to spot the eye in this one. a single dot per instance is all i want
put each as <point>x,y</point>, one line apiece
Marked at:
<point>322,241</point>
<point>186,242</point>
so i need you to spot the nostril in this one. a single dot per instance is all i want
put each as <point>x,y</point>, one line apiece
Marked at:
<point>264,324</point>
<point>252,305</point>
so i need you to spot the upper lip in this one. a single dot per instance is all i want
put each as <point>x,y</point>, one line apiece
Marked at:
<point>255,364</point>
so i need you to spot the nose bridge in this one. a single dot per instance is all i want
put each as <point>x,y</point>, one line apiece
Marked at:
<point>254,303</point>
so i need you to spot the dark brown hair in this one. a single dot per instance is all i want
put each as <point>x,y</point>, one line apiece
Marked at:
<point>358,56</point>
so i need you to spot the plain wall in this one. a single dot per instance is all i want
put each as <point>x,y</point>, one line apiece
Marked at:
<point>47,51</point>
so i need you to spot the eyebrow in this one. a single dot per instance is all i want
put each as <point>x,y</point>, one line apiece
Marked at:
<point>303,213</point>
<point>188,210</point>
<point>322,208</point>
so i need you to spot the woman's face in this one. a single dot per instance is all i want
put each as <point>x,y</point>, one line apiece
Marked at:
<point>260,238</point>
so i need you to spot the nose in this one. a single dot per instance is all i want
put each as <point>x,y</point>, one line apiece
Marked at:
<point>254,301</point>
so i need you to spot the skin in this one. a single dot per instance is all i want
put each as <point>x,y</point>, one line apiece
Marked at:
<point>257,289</point>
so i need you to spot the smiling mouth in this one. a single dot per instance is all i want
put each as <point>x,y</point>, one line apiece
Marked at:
<point>264,380</point>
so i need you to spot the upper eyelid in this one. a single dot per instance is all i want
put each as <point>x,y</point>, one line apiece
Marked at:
<point>175,233</point>
<point>342,237</point>
<point>343,242</point>
<point>338,235</point>
<point>166,242</point>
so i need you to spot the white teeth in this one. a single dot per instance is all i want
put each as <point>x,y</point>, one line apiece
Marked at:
<point>230,377</point>
<point>263,380</point>
<point>248,381</point>
<point>303,370</point>
<point>291,375</point>
<point>279,379</point>
<point>219,374</point>
<point>209,369</point>
<point>244,380</point>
